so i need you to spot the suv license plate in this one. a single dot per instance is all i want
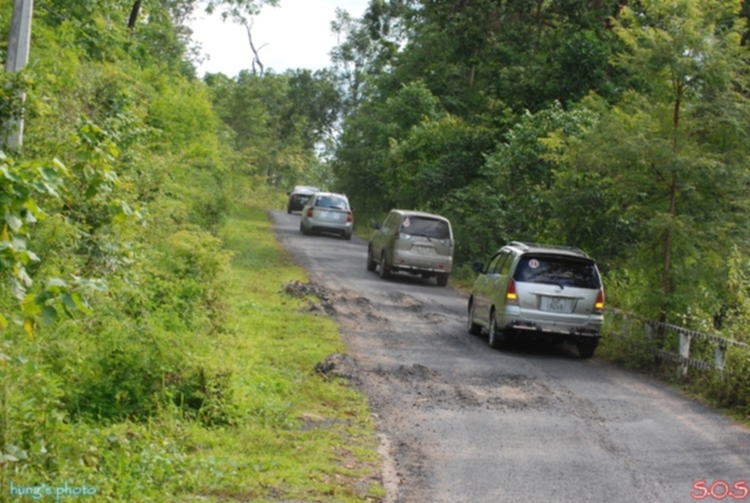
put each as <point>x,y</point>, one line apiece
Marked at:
<point>425,250</point>
<point>556,304</point>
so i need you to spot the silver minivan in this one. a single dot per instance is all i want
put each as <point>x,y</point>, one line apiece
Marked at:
<point>412,241</point>
<point>327,212</point>
<point>530,290</point>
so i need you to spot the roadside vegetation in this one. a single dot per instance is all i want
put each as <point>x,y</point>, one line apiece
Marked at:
<point>148,351</point>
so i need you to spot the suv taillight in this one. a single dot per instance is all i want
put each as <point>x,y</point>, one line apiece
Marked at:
<point>599,305</point>
<point>309,213</point>
<point>349,217</point>
<point>510,296</point>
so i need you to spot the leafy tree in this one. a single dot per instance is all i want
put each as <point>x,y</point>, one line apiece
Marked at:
<point>314,106</point>
<point>671,154</point>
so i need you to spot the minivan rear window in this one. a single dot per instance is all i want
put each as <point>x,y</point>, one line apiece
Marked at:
<point>334,202</point>
<point>430,227</point>
<point>562,271</point>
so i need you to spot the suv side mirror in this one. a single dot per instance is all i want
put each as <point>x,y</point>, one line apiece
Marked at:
<point>374,224</point>
<point>477,267</point>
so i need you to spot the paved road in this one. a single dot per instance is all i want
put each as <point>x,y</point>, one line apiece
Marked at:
<point>461,422</point>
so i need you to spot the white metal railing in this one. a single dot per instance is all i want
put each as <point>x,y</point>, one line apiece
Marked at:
<point>682,357</point>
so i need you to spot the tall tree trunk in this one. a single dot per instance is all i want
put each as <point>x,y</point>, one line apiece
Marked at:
<point>668,238</point>
<point>134,15</point>
<point>665,287</point>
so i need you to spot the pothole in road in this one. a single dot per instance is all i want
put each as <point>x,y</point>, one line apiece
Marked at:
<point>405,301</point>
<point>424,388</point>
<point>341,303</point>
<point>507,392</point>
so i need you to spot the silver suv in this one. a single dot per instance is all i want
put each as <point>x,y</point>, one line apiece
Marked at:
<point>531,290</point>
<point>414,242</point>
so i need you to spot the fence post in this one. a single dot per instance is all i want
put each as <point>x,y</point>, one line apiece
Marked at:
<point>684,351</point>
<point>720,356</point>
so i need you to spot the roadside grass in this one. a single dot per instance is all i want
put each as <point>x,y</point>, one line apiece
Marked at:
<point>296,435</point>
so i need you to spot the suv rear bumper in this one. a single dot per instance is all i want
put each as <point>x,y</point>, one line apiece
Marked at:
<point>416,263</point>
<point>554,330</point>
<point>418,270</point>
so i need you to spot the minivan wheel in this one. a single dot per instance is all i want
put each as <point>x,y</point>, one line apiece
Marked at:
<point>442,279</point>
<point>473,328</point>
<point>496,337</point>
<point>384,271</point>
<point>586,349</point>
<point>371,264</point>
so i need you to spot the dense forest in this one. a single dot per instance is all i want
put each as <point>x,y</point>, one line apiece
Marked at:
<point>620,127</point>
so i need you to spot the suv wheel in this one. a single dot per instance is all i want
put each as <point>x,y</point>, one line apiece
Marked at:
<point>371,264</point>
<point>442,279</point>
<point>384,270</point>
<point>473,328</point>
<point>496,337</point>
<point>302,229</point>
<point>586,349</point>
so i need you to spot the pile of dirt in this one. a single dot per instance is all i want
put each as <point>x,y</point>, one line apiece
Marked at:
<point>339,365</point>
<point>299,289</point>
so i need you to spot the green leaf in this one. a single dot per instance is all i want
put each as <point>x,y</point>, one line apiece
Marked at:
<point>81,303</point>
<point>8,175</point>
<point>95,284</point>
<point>57,282</point>
<point>17,289</point>
<point>28,326</point>
<point>69,303</point>
<point>30,306</point>
<point>49,174</point>
<point>22,191</point>
<point>49,315</point>
<point>13,221</point>
<point>57,163</point>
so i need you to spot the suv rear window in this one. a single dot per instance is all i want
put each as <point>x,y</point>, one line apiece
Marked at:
<point>430,227</point>
<point>563,271</point>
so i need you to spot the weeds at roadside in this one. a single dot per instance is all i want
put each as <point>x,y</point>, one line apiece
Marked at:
<point>238,412</point>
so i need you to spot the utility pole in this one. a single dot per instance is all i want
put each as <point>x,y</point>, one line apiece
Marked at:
<point>18,56</point>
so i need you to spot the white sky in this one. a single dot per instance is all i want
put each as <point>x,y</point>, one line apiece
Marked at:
<point>297,34</point>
